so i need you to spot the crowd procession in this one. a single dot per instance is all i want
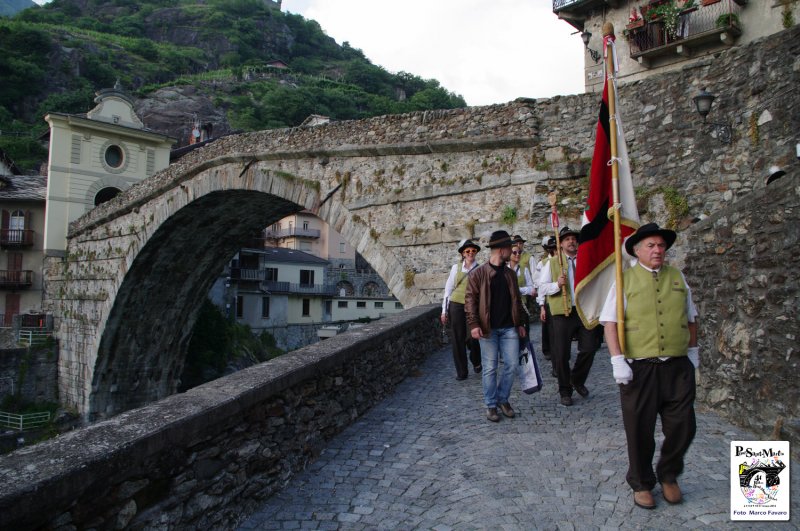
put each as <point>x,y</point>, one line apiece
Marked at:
<point>490,307</point>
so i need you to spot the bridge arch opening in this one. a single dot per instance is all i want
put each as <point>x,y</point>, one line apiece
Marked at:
<point>143,346</point>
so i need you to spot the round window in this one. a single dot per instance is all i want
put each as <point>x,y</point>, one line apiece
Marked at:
<point>114,156</point>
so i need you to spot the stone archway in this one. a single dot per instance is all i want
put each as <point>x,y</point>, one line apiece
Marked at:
<point>136,267</point>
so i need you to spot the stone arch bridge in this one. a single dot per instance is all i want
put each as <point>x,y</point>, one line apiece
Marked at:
<point>401,189</point>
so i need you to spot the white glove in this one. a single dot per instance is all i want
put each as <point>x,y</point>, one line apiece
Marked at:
<point>694,356</point>
<point>622,371</point>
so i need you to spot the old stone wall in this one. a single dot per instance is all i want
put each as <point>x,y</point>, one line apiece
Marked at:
<point>32,373</point>
<point>206,458</point>
<point>742,268</point>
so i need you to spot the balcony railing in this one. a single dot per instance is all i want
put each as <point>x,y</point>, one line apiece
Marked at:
<point>15,279</point>
<point>238,273</point>
<point>16,237</point>
<point>291,287</point>
<point>292,232</point>
<point>702,25</point>
<point>580,7</point>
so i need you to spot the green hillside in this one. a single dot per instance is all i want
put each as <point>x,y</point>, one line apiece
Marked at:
<point>11,7</point>
<point>54,58</point>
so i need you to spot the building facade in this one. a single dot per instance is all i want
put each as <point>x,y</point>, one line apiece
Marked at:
<point>94,157</point>
<point>654,36</point>
<point>302,282</point>
<point>22,207</point>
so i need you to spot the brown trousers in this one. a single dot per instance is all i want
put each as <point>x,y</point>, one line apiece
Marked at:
<point>666,389</point>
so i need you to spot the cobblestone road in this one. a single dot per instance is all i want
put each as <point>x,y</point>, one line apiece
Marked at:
<point>427,458</point>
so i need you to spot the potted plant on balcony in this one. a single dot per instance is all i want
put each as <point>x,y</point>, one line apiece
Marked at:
<point>729,20</point>
<point>668,14</point>
<point>635,21</point>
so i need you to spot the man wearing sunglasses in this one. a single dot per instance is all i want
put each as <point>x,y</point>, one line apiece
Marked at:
<point>495,317</point>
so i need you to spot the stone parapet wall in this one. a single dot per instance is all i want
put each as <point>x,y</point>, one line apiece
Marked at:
<point>206,458</point>
<point>742,268</point>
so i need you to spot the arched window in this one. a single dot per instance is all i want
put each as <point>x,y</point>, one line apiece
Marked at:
<point>106,194</point>
<point>370,289</point>
<point>345,288</point>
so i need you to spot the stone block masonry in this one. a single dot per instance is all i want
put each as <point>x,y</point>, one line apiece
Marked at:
<point>206,458</point>
<point>749,309</point>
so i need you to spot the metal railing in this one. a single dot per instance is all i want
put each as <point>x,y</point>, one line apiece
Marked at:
<point>293,231</point>
<point>16,237</point>
<point>15,278</point>
<point>561,4</point>
<point>292,287</point>
<point>238,273</point>
<point>23,422</point>
<point>694,25</point>
<point>32,336</point>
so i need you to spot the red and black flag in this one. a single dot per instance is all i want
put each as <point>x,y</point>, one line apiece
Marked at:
<point>595,272</point>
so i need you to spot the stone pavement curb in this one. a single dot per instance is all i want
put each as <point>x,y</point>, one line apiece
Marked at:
<point>427,458</point>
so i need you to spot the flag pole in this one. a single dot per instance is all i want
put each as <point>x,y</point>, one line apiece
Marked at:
<point>555,222</point>
<point>608,31</point>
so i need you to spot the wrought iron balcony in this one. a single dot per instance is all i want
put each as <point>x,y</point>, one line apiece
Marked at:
<point>292,232</point>
<point>696,27</point>
<point>581,7</point>
<point>16,238</point>
<point>273,286</point>
<point>240,273</point>
<point>15,279</point>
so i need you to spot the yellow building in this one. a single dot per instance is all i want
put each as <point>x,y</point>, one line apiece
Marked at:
<point>94,157</point>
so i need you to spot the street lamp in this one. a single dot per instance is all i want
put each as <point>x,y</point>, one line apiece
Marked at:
<point>702,103</point>
<point>595,55</point>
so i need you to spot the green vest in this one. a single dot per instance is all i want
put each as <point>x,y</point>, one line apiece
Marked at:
<point>656,324</point>
<point>556,300</point>
<point>460,292</point>
<point>521,280</point>
<point>525,260</point>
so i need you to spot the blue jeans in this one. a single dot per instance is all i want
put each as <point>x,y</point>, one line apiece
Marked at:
<point>505,342</point>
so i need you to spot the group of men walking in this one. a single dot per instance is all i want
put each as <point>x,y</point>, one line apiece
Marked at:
<point>653,363</point>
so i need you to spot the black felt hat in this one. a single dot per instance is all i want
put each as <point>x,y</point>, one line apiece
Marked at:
<point>466,244</point>
<point>649,229</point>
<point>518,239</point>
<point>566,231</point>
<point>499,238</point>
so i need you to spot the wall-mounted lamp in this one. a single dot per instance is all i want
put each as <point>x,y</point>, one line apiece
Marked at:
<point>703,103</point>
<point>595,55</point>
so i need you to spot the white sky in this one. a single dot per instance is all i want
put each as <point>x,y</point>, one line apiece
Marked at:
<point>488,51</point>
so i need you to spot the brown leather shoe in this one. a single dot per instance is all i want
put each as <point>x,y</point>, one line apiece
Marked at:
<point>644,499</point>
<point>566,400</point>
<point>672,493</point>
<point>491,414</point>
<point>507,410</point>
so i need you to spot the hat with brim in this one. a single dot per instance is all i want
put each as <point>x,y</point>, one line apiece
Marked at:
<point>465,244</point>
<point>647,230</point>
<point>566,231</point>
<point>551,243</point>
<point>518,239</point>
<point>499,238</point>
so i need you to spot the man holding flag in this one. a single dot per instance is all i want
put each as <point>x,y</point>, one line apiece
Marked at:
<point>654,356</point>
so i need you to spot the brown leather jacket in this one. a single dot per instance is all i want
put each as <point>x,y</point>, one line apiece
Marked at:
<point>479,297</point>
